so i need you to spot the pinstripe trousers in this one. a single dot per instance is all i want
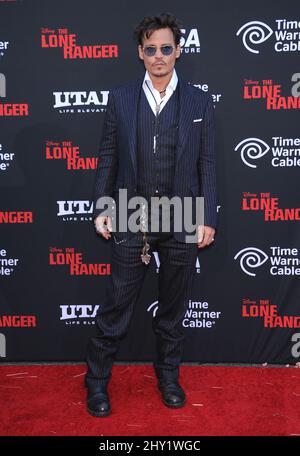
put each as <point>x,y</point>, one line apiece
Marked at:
<point>175,281</point>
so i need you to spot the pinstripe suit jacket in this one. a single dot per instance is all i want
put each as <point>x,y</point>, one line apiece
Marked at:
<point>195,170</point>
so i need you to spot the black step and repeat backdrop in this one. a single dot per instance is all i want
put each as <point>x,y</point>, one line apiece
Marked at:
<point>58,62</point>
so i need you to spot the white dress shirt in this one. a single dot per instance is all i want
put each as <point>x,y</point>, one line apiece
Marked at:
<point>160,101</point>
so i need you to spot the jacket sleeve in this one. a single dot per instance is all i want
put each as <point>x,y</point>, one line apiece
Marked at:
<point>207,166</point>
<point>108,160</point>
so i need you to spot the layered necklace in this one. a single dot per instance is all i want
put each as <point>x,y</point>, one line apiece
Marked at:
<point>157,105</point>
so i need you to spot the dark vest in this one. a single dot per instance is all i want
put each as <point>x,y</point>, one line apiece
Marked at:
<point>156,169</point>
<point>156,165</point>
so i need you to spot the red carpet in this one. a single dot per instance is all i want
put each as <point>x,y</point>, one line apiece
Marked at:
<point>50,400</point>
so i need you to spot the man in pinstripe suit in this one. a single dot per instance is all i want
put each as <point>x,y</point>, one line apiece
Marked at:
<point>158,140</point>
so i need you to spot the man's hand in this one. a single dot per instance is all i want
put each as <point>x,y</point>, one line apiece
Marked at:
<point>103,226</point>
<point>205,235</point>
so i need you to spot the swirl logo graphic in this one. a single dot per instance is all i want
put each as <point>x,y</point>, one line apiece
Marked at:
<point>252,149</point>
<point>251,257</point>
<point>254,32</point>
<point>153,308</point>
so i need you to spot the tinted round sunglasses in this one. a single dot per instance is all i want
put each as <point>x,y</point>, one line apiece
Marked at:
<point>150,51</point>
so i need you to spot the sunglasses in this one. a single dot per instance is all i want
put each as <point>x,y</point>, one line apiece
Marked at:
<point>150,51</point>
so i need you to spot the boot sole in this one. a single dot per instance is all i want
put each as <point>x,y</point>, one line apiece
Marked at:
<point>178,405</point>
<point>98,414</point>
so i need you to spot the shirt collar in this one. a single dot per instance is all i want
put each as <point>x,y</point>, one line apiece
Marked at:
<point>172,84</point>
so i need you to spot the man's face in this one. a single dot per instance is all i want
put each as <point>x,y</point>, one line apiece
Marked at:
<point>160,65</point>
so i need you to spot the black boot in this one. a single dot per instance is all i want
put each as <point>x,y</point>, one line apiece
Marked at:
<point>172,393</point>
<point>98,402</point>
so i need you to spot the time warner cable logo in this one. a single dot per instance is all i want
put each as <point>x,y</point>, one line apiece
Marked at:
<point>284,151</point>
<point>252,149</point>
<point>283,261</point>
<point>253,33</point>
<point>287,35</point>
<point>250,258</point>
<point>3,47</point>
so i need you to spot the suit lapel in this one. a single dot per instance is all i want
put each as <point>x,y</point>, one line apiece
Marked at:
<point>131,110</point>
<point>186,107</point>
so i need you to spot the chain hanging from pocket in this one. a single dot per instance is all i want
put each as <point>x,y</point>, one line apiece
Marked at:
<point>145,256</point>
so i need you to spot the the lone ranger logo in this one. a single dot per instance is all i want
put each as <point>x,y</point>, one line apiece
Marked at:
<point>16,217</point>
<point>62,38</point>
<point>70,153</point>
<point>74,261</point>
<point>269,314</point>
<point>80,102</point>
<point>189,42</point>
<point>75,211</point>
<point>269,206</point>
<point>284,35</point>
<point>7,265</point>
<point>271,93</point>
<point>281,261</point>
<point>17,321</point>
<point>78,314</point>
<point>284,152</point>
